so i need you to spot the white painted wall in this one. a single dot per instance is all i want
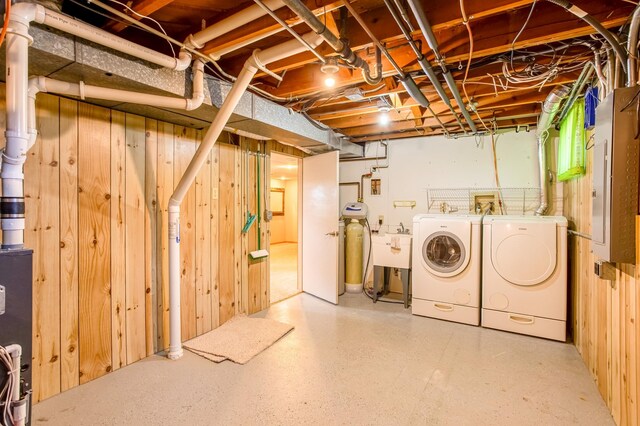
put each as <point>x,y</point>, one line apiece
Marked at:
<point>415,164</point>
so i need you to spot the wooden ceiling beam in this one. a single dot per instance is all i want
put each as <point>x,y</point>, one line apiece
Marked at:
<point>267,25</point>
<point>142,7</point>
<point>547,26</point>
<point>497,103</point>
<point>480,81</point>
<point>347,109</point>
<point>435,131</point>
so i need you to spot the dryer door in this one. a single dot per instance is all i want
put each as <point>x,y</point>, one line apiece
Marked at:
<point>523,253</point>
<point>444,254</point>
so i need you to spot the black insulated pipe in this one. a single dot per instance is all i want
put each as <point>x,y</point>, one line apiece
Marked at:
<point>427,32</point>
<point>12,207</point>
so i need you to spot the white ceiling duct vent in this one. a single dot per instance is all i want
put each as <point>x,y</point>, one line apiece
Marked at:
<point>354,94</point>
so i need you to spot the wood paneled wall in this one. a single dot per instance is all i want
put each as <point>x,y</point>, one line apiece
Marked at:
<point>604,314</point>
<point>97,183</point>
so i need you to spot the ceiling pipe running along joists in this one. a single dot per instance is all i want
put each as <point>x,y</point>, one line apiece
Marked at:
<point>621,54</point>
<point>338,45</point>
<point>234,21</point>
<point>249,70</point>
<point>550,109</point>
<point>399,17</point>
<point>86,91</point>
<point>427,32</point>
<point>409,84</point>
<point>20,128</point>
<point>632,48</point>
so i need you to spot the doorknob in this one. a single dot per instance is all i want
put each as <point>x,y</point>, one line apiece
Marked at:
<point>333,234</point>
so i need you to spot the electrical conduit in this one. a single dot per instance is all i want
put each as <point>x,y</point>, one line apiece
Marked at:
<point>427,32</point>
<point>336,44</point>
<point>422,60</point>
<point>255,62</point>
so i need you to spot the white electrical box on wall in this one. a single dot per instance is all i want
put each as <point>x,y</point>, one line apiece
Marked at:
<point>615,176</point>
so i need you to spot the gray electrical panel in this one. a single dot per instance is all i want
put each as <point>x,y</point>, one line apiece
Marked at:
<point>615,177</point>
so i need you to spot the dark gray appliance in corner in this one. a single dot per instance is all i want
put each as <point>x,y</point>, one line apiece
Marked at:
<point>615,176</point>
<point>15,313</point>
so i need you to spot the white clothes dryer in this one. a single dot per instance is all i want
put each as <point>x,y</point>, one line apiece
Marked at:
<point>446,267</point>
<point>524,275</point>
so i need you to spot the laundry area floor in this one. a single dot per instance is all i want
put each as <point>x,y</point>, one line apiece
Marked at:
<point>356,363</point>
<point>284,271</point>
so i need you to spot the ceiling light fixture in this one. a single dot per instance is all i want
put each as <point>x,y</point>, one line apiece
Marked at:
<point>383,110</point>
<point>330,68</point>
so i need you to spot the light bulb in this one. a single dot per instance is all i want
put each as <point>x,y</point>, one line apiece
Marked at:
<point>383,118</point>
<point>329,81</point>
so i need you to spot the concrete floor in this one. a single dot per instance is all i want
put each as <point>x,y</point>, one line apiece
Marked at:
<point>356,363</point>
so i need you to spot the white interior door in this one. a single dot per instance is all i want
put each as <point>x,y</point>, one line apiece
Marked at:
<point>320,211</point>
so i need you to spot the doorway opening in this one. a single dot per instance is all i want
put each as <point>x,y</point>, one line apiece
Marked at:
<point>284,227</point>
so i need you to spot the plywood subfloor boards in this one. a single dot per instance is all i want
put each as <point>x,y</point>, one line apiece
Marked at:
<point>424,372</point>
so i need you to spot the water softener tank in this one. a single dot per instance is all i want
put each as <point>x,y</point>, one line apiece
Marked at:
<point>353,256</point>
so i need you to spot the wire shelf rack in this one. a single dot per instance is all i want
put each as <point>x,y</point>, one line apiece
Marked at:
<point>514,201</point>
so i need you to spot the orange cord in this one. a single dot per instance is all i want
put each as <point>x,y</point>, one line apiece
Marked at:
<point>6,21</point>
<point>465,21</point>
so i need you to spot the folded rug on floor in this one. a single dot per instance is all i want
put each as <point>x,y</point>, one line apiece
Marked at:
<point>239,339</point>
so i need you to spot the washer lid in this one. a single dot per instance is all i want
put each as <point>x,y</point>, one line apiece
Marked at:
<point>523,253</point>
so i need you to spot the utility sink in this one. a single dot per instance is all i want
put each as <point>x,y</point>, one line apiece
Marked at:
<point>392,250</point>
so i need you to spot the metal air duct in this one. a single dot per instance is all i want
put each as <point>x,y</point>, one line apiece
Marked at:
<point>550,109</point>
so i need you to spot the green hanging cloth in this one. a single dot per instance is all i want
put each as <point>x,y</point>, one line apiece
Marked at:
<point>571,149</point>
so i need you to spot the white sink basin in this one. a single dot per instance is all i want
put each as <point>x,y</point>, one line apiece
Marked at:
<point>393,250</point>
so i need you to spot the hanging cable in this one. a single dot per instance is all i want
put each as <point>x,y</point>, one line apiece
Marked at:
<point>130,9</point>
<point>6,21</point>
<point>465,21</point>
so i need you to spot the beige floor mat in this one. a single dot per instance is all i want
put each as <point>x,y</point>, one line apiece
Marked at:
<point>239,339</point>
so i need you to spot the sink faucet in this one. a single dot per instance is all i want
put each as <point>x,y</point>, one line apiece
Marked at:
<point>401,230</point>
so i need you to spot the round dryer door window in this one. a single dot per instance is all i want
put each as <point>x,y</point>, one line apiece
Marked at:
<point>443,252</point>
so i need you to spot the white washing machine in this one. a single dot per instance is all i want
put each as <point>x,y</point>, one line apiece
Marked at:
<point>446,267</point>
<point>524,275</point>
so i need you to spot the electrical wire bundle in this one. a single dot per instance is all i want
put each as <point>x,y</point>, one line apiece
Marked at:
<point>6,393</point>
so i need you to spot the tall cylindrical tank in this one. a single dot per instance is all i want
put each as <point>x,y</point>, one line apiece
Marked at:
<point>353,256</point>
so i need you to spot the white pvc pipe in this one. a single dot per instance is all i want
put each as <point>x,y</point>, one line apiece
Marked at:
<point>20,104</point>
<point>17,134</point>
<point>256,61</point>
<point>91,33</point>
<point>30,12</point>
<point>84,91</point>
<point>220,52</point>
<point>234,21</point>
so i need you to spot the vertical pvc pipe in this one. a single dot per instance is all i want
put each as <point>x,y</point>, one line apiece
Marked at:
<point>251,66</point>
<point>210,138</point>
<point>17,135</point>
